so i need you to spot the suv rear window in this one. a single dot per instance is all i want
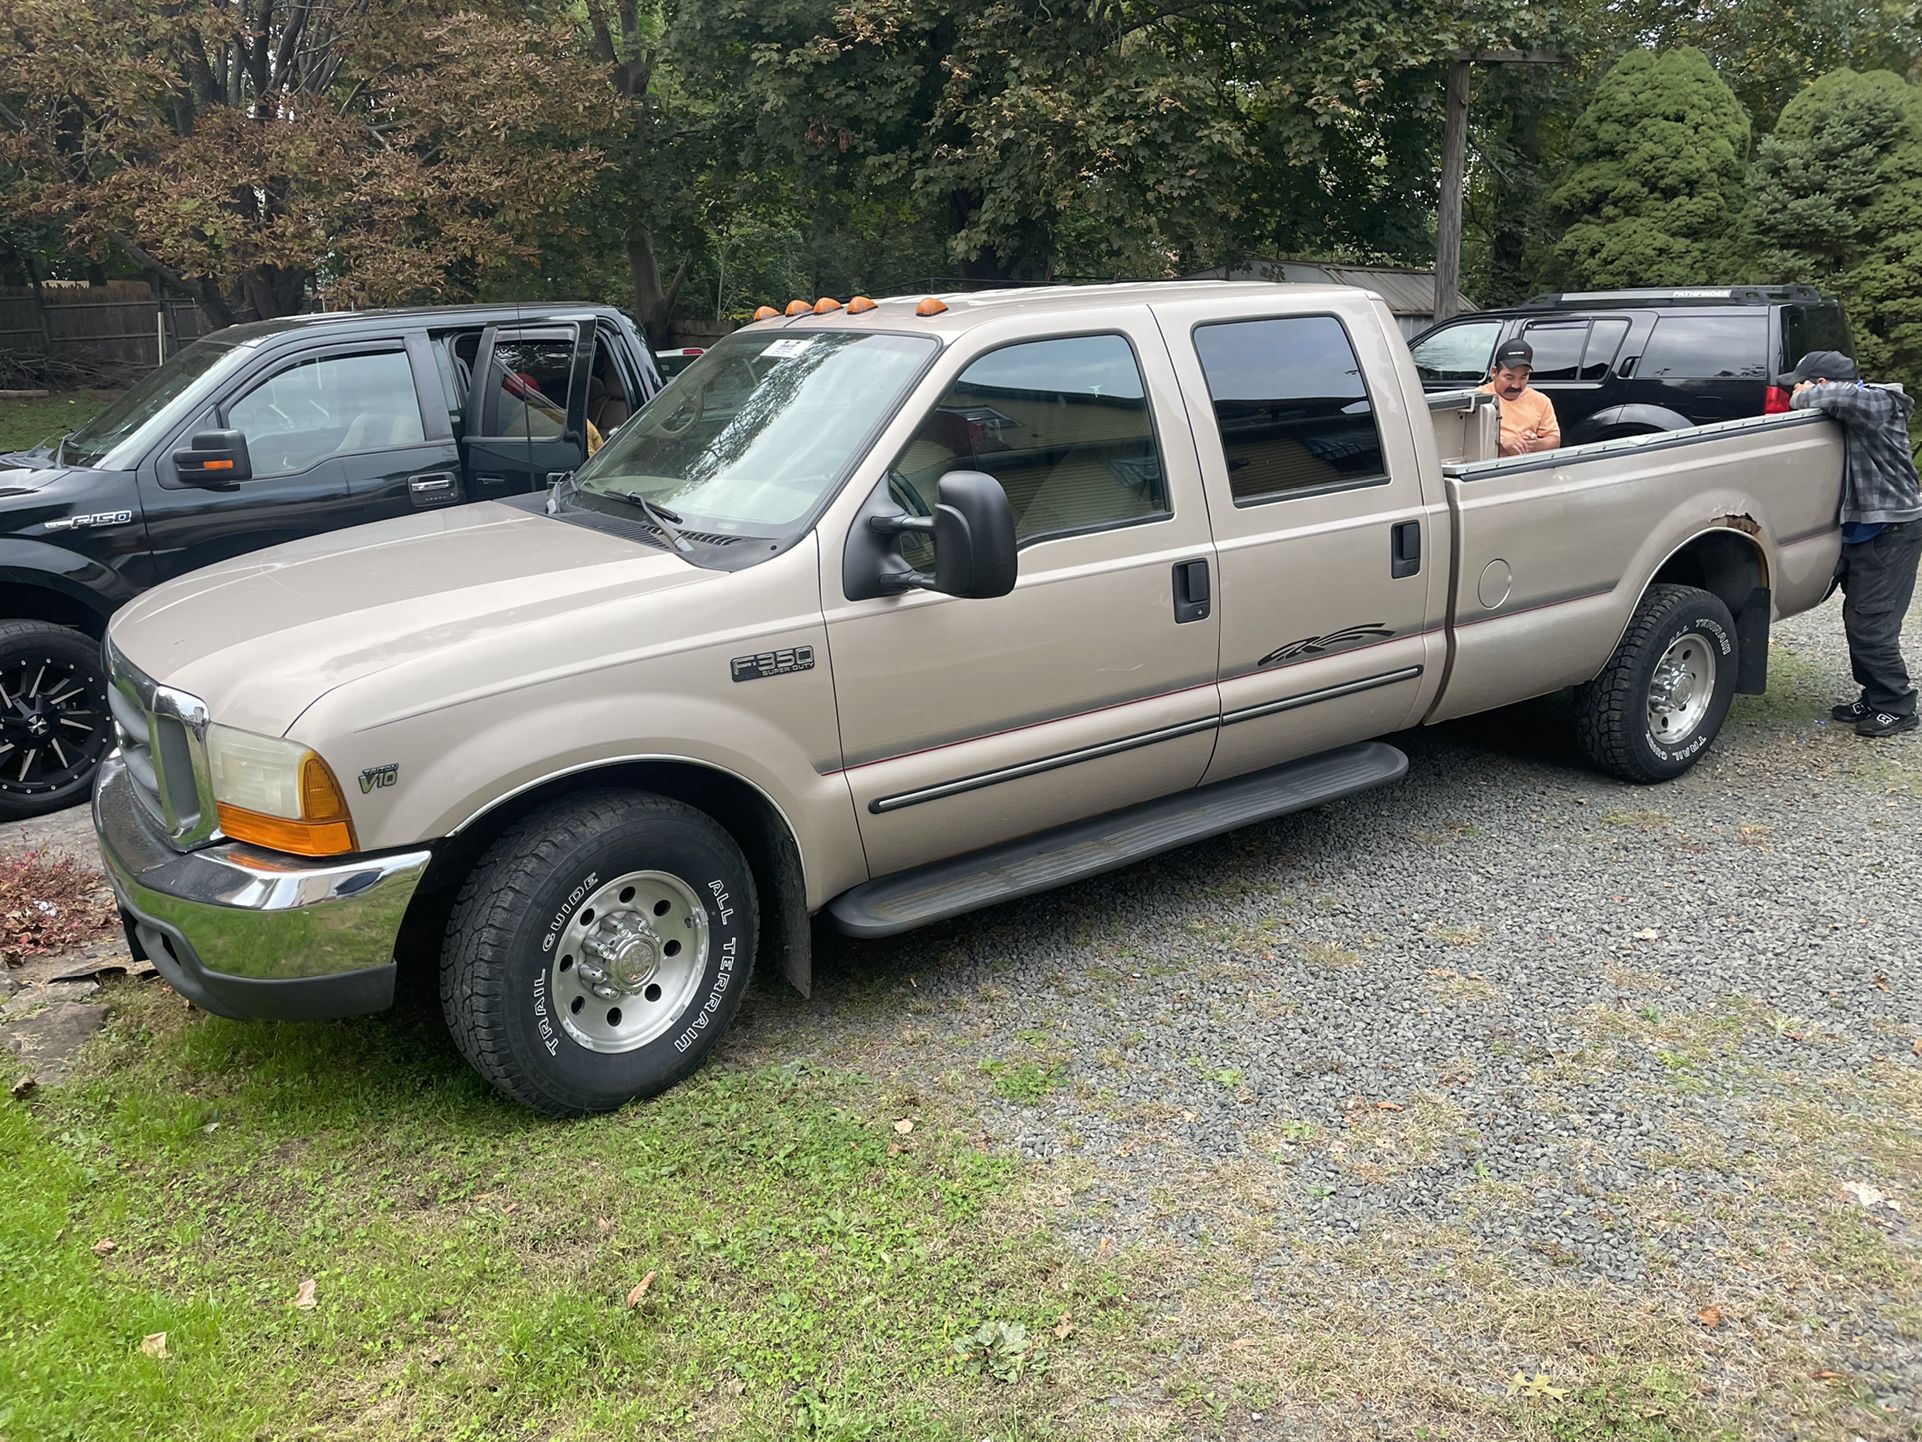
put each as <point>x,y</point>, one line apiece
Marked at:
<point>1707,347</point>
<point>1813,327</point>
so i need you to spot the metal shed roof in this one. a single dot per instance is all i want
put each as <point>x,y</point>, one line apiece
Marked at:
<point>1408,292</point>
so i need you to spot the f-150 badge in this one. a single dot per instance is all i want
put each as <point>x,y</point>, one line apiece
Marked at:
<point>98,518</point>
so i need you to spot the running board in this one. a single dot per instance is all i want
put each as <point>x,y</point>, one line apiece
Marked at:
<point>1103,843</point>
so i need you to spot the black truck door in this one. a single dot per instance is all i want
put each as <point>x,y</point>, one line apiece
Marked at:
<point>334,435</point>
<point>526,415</point>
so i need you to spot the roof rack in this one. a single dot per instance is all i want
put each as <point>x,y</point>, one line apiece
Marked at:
<point>1677,295</point>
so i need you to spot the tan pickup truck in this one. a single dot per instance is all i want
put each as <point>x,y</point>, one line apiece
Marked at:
<point>893,611</point>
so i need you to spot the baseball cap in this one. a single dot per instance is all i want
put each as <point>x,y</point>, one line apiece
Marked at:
<point>1516,353</point>
<point>1830,364</point>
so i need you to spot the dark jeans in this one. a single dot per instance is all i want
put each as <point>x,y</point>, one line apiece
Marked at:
<point>1878,581</point>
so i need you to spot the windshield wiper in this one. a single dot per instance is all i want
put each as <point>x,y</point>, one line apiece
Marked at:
<point>661,517</point>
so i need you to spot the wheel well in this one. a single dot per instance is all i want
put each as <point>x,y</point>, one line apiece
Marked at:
<point>1729,564</point>
<point>37,603</point>
<point>754,822</point>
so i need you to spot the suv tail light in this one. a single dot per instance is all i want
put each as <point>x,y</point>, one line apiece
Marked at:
<point>1775,401</point>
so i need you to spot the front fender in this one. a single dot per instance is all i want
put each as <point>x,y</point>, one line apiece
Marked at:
<point>40,565</point>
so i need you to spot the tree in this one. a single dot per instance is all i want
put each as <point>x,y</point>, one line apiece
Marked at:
<point>1838,190</point>
<point>1657,196</point>
<point>239,149</point>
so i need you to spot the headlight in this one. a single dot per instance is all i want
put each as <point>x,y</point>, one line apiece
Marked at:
<point>277,793</point>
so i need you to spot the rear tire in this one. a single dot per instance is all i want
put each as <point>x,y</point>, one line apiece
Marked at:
<point>1658,705</point>
<point>54,723</point>
<point>599,951</point>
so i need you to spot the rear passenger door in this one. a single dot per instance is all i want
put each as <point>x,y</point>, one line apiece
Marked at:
<point>526,414</point>
<point>1333,568</point>
<point>1706,365</point>
<point>1092,685</point>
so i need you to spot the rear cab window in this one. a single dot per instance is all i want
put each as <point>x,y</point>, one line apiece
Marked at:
<point>1292,411</point>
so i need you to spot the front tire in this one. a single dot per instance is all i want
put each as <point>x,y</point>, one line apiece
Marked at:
<point>54,724</point>
<point>599,951</point>
<point>1660,702</point>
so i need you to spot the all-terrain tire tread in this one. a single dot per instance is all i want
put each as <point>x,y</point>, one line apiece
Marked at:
<point>492,900</point>
<point>1607,710</point>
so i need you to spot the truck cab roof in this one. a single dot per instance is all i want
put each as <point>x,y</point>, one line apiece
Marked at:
<point>348,323</point>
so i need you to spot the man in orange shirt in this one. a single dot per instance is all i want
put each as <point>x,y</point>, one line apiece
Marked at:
<point>1528,416</point>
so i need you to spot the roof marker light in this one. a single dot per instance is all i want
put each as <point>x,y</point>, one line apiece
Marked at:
<point>799,307</point>
<point>933,305</point>
<point>826,304</point>
<point>766,312</point>
<point>860,305</point>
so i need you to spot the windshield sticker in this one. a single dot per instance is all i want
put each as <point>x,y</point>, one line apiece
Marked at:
<point>791,346</point>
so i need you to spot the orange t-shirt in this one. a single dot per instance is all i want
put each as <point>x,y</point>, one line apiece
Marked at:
<point>1529,411</point>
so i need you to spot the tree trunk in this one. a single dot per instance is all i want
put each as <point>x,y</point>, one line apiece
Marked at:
<point>653,302</point>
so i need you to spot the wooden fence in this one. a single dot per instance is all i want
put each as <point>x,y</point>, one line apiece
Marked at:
<point>118,325</point>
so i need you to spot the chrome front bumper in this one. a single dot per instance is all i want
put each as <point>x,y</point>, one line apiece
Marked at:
<point>243,932</point>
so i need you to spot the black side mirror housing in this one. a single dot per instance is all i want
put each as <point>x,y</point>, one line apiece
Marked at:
<point>972,529</point>
<point>214,458</point>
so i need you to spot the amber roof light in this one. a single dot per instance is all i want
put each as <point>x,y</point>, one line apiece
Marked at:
<point>933,305</point>
<point>766,312</point>
<point>799,307</point>
<point>826,304</point>
<point>860,305</point>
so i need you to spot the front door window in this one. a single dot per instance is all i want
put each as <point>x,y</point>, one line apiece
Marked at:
<point>328,406</point>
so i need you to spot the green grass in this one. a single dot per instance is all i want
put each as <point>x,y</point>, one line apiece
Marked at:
<point>812,1267</point>
<point>27,422</point>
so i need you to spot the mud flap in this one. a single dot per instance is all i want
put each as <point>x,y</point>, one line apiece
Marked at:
<point>1752,636</point>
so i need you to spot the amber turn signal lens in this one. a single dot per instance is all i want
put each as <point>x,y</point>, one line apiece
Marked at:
<point>766,312</point>
<point>799,307</point>
<point>301,838</point>
<point>931,306</point>
<point>860,305</point>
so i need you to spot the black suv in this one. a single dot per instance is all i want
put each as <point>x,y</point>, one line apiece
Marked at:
<point>265,433</point>
<point>1629,362</point>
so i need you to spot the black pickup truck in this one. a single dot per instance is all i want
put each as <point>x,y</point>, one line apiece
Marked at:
<point>266,433</point>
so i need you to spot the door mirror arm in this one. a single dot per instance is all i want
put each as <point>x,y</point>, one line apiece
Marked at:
<point>972,531</point>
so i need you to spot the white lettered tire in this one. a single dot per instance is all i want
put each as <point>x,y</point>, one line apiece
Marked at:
<point>1660,702</point>
<point>599,950</point>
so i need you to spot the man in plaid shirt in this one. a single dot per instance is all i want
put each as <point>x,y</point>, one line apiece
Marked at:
<point>1881,533</point>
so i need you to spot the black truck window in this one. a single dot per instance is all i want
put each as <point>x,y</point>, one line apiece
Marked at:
<point>332,405</point>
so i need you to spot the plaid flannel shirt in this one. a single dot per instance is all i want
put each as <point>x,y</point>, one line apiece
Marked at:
<point>1879,483</point>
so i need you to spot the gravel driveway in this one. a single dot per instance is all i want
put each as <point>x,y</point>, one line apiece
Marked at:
<point>1509,1069</point>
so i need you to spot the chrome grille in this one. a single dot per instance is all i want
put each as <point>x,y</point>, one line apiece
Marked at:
<point>163,739</point>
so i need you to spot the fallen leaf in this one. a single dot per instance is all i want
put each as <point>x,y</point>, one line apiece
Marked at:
<point>1916,1046</point>
<point>1062,1328</point>
<point>1106,1249</point>
<point>304,1298</point>
<point>105,1247</point>
<point>904,1126</point>
<point>1390,1107</point>
<point>1648,933</point>
<point>640,1291</point>
<point>24,1087</point>
<point>154,1344</point>
<point>1710,1317</point>
<point>606,1224</point>
<point>1825,1376</point>
<point>510,1209</point>
<point>894,1149</point>
<point>1869,1196</point>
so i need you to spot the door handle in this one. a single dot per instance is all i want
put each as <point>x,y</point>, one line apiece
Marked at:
<point>433,488</point>
<point>1191,591</point>
<point>1404,549</point>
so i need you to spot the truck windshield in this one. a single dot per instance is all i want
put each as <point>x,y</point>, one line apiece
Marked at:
<point>151,406</point>
<point>757,432</point>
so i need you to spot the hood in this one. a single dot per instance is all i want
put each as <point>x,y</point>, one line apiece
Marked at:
<point>22,473</point>
<point>262,638</point>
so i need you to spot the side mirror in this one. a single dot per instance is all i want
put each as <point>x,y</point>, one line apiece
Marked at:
<point>215,458</point>
<point>974,543</point>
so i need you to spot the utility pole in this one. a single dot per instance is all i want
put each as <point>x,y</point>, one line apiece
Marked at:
<point>1448,212</point>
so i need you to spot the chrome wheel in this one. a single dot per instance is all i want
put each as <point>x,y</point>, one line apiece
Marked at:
<point>630,961</point>
<point>1682,688</point>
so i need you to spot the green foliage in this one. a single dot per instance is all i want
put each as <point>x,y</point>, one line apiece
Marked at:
<point>1657,195</point>
<point>1838,191</point>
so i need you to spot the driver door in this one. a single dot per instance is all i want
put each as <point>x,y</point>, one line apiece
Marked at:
<point>526,425</point>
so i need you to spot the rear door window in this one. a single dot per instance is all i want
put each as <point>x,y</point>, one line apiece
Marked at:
<point>1813,327</point>
<point>1605,339</point>
<point>1292,412</point>
<point>1707,347</point>
<point>526,390</point>
<point>1558,348</point>
<point>1458,355</point>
